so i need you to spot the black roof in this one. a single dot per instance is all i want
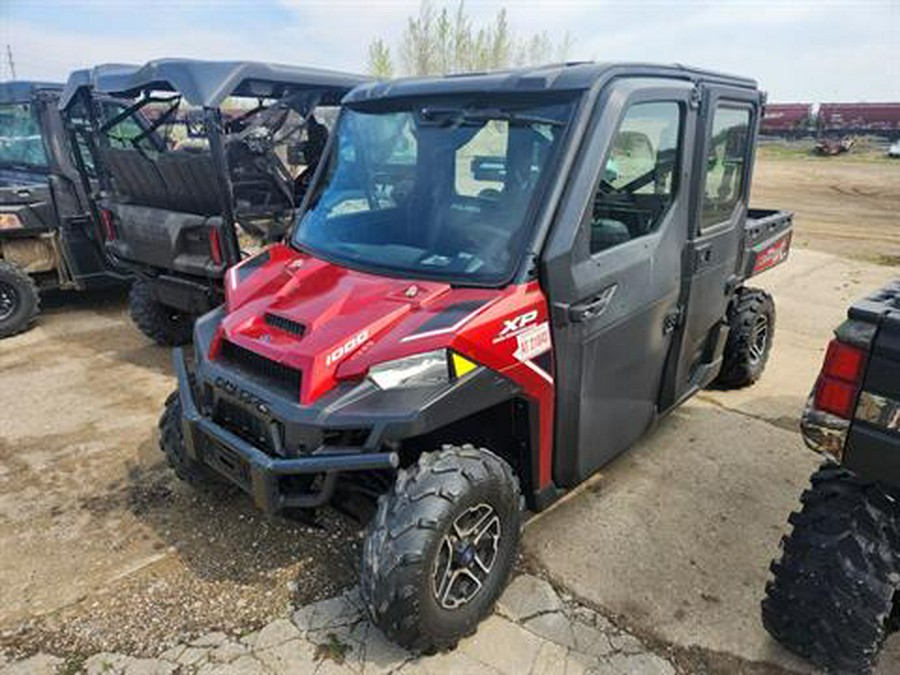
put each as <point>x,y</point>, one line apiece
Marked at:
<point>21,91</point>
<point>557,77</point>
<point>208,83</point>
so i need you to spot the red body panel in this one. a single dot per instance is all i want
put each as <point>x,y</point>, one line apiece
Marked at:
<point>781,117</point>
<point>860,116</point>
<point>354,320</point>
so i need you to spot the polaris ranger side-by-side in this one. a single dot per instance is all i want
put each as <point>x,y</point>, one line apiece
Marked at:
<point>835,595</point>
<point>49,229</point>
<point>228,148</point>
<point>497,284</point>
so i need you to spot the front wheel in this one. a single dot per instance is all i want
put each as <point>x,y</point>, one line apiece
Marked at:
<point>19,300</point>
<point>441,547</point>
<point>162,324</point>
<point>171,442</point>
<point>834,595</point>
<point>751,328</point>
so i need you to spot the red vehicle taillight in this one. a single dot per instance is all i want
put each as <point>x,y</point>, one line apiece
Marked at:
<point>215,246</point>
<point>840,379</point>
<point>109,225</point>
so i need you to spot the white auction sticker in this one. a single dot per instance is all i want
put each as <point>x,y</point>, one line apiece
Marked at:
<point>533,341</point>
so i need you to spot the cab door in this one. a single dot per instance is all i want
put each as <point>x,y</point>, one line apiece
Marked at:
<point>612,270</point>
<point>720,186</point>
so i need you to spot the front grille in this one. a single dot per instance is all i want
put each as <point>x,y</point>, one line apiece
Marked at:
<point>285,324</point>
<point>245,424</point>
<point>275,376</point>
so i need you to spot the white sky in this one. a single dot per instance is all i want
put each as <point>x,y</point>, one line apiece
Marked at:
<point>797,49</point>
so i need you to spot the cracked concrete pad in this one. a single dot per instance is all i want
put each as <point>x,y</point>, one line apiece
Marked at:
<point>555,627</point>
<point>39,664</point>
<point>338,611</point>
<point>503,645</point>
<point>526,597</point>
<point>275,633</point>
<point>635,664</point>
<point>288,658</point>
<point>244,665</point>
<point>550,660</point>
<point>450,663</point>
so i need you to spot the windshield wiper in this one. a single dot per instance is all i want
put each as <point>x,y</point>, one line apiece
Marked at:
<point>457,116</point>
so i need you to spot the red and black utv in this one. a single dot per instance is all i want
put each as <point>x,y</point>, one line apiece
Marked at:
<point>49,226</point>
<point>208,158</point>
<point>497,283</point>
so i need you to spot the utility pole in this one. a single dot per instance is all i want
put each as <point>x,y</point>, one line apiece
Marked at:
<point>12,64</point>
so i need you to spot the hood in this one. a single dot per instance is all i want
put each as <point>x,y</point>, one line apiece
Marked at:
<point>331,323</point>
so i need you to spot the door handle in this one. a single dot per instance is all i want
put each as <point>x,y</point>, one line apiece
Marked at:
<point>703,257</point>
<point>593,306</point>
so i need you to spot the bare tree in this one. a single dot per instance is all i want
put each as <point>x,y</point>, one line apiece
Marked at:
<point>437,42</point>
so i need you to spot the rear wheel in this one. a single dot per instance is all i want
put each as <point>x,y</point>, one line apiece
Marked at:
<point>441,547</point>
<point>19,299</point>
<point>835,589</point>
<point>751,323</point>
<point>171,442</point>
<point>162,324</point>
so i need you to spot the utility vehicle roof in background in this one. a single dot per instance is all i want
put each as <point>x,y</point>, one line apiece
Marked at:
<point>208,83</point>
<point>556,77</point>
<point>21,91</point>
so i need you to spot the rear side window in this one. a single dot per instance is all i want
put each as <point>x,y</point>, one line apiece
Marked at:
<point>725,163</point>
<point>638,183</point>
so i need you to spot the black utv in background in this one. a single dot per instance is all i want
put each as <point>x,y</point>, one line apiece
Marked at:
<point>835,595</point>
<point>209,158</point>
<point>49,236</point>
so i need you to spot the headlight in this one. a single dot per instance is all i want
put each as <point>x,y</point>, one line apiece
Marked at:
<point>9,221</point>
<point>420,370</point>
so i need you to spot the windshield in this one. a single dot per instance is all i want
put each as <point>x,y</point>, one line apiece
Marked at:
<point>21,145</point>
<point>434,191</point>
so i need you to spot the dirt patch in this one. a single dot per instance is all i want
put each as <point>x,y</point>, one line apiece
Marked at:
<point>846,205</point>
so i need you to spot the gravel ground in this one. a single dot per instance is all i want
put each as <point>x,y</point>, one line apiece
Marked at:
<point>231,569</point>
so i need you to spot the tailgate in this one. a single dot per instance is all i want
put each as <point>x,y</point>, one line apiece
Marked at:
<point>169,240</point>
<point>873,444</point>
<point>767,240</point>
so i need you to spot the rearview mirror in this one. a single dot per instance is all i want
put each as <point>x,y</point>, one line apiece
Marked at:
<point>487,168</point>
<point>296,154</point>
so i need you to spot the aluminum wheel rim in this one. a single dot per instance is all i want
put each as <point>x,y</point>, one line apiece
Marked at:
<point>9,300</point>
<point>466,556</point>
<point>759,339</point>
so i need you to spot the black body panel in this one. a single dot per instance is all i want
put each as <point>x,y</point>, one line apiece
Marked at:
<point>169,240</point>
<point>873,443</point>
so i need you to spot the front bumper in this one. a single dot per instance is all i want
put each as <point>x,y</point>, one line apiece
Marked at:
<point>260,474</point>
<point>288,455</point>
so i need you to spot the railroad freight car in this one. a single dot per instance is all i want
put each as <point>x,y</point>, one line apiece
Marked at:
<point>836,119</point>
<point>787,119</point>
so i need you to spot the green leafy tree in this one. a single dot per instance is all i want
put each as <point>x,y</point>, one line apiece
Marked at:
<point>441,41</point>
<point>380,63</point>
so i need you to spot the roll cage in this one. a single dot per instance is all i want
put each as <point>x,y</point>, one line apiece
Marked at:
<point>226,119</point>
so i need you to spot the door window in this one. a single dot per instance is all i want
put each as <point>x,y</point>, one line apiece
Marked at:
<point>639,180</point>
<point>725,162</point>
